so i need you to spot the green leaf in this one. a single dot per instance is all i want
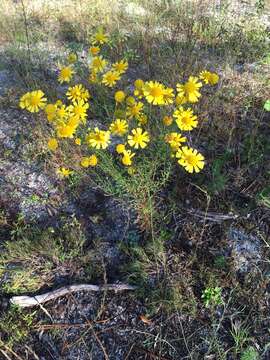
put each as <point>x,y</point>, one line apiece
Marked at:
<point>267,105</point>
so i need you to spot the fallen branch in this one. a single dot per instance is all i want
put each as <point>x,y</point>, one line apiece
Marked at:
<point>214,217</point>
<point>29,301</point>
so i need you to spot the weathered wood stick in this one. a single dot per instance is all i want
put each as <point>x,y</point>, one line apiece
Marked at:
<point>29,301</point>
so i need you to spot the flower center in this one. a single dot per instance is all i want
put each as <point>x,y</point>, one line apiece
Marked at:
<point>156,92</point>
<point>34,100</point>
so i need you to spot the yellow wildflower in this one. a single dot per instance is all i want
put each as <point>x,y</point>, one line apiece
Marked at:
<point>154,92</point>
<point>190,89</point>
<point>185,119</point>
<point>127,157</point>
<point>65,131</point>
<point>119,96</point>
<point>78,92</point>
<point>209,77</point>
<point>119,127</point>
<point>33,101</point>
<point>100,37</point>
<point>175,140</point>
<point>78,141</point>
<point>190,159</point>
<point>168,96</point>
<point>110,78</point>
<point>120,67</point>
<point>89,161</point>
<point>99,139</point>
<point>134,110</point>
<point>79,108</point>
<point>94,50</point>
<point>98,63</point>
<point>65,74</point>
<point>52,144</point>
<point>63,172</point>
<point>138,138</point>
<point>120,148</point>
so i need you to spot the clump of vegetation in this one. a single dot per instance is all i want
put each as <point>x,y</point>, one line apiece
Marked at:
<point>15,326</point>
<point>132,119</point>
<point>34,257</point>
<point>212,296</point>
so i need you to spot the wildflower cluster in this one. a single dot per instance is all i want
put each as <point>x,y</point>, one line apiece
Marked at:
<point>132,122</point>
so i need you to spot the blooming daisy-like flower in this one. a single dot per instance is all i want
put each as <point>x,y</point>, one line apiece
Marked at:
<point>78,141</point>
<point>110,78</point>
<point>65,74</point>
<point>99,139</point>
<point>190,89</point>
<point>63,172</point>
<point>190,159</point>
<point>127,157</point>
<point>94,50</point>
<point>209,77</point>
<point>119,96</point>
<point>119,127</point>
<point>98,63</point>
<point>120,66</point>
<point>89,161</point>
<point>138,138</point>
<point>33,101</point>
<point>79,109</point>
<point>78,92</point>
<point>100,38</point>
<point>185,119</point>
<point>168,96</point>
<point>154,92</point>
<point>52,144</point>
<point>65,131</point>
<point>72,58</point>
<point>175,140</point>
<point>134,110</point>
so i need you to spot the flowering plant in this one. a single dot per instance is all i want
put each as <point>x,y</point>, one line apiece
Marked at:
<point>133,120</point>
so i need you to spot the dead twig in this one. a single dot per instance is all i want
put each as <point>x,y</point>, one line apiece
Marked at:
<point>214,217</point>
<point>29,301</point>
